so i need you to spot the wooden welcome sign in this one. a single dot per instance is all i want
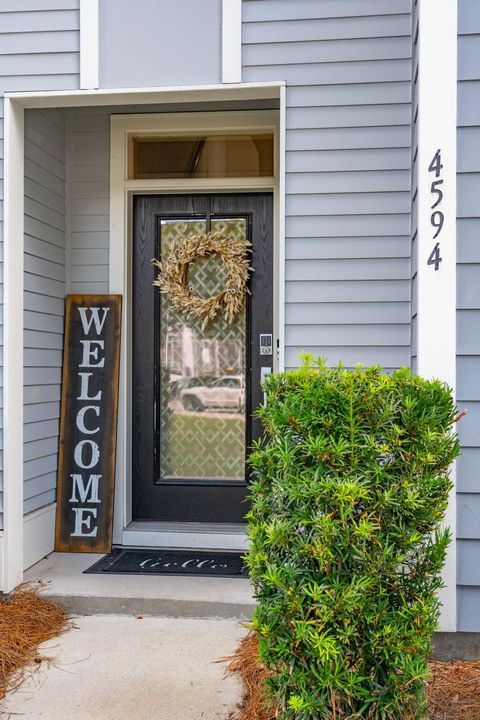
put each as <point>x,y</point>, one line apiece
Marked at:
<point>88,425</point>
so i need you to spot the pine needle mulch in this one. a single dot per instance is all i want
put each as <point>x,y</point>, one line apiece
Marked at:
<point>26,620</point>
<point>453,691</point>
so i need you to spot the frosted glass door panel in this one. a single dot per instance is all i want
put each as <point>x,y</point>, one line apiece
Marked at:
<point>201,415</point>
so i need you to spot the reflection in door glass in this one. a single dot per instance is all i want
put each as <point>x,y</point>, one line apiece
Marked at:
<point>201,413</point>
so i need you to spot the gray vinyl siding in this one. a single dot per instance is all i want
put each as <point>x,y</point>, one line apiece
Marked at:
<point>414,184</point>
<point>39,50</point>
<point>44,293</point>
<point>348,68</point>
<point>88,142</point>
<point>468,315</point>
<point>39,45</point>
<point>88,133</point>
<point>160,42</point>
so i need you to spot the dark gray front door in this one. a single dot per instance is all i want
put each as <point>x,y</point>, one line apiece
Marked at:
<point>194,389</point>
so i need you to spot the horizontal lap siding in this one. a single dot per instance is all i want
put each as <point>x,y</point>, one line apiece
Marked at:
<point>88,151</point>
<point>45,232</point>
<point>348,68</point>
<point>88,136</point>
<point>414,183</point>
<point>39,50</point>
<point>468,315</point>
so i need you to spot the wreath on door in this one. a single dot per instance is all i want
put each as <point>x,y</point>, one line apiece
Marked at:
<point>172,276</point>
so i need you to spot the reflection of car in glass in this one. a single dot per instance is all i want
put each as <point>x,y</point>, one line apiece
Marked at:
<point>224,393</point>
<point>179,384</point>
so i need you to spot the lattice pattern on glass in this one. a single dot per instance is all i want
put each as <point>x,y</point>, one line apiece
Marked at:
<point>202,378</point>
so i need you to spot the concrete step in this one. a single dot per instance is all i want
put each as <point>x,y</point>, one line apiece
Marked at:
<point>154,595</point>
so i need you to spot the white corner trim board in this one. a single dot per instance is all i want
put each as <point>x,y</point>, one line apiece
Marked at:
<point>12,545</point>
<point>231,41</point>
<point>436,261</point>
<point>89,44</point>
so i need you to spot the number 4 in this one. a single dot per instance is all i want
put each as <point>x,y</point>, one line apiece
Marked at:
<point>434,258</point>
<point>436,164</point>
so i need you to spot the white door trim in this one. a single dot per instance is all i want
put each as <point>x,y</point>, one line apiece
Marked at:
<point>436,320</point>
<point>279,230</point>
<point>185,535</point>
<point>121,191</point>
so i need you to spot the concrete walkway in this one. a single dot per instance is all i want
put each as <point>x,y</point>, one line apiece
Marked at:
<point>124,668</point>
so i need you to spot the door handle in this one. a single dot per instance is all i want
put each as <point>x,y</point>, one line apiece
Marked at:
<point>264,371</point>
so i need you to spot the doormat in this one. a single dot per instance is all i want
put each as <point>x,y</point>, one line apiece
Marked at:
<point>155,561</point>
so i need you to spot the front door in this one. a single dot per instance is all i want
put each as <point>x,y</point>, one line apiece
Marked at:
<point>194,388</point>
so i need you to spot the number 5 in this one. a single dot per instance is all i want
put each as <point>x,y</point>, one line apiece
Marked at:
<point>436,191</point>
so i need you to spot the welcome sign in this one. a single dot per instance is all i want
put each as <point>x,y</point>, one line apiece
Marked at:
<point>88,425</point>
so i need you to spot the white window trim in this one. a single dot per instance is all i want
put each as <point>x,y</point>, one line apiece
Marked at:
<point>231,41</point>
<point>121,192</point>
<point>436,320</point>
<point>89,44</point>
<point>12,538</point>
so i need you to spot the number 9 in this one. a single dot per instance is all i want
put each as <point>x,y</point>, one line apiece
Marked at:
<point>437,219</point>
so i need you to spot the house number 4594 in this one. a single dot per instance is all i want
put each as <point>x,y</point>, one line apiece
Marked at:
<point>437,217</point>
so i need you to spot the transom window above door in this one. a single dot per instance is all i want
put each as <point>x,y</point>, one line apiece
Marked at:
<point>201,156</point>
<point>202,150</point>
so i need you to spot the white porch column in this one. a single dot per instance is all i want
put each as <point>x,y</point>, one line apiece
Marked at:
<point>12,541</point>
<point>436,274</point>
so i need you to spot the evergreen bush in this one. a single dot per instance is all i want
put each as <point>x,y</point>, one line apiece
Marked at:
<point>350,486</point>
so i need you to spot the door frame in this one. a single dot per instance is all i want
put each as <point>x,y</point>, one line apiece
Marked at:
<point>122,191</point>
<point>208,500</point>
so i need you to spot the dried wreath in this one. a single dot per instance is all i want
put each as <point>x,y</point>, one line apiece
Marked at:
<point>172,278</point>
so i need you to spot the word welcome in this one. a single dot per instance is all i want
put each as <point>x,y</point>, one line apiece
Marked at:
<point>88,423</point>
<point>87,451</point>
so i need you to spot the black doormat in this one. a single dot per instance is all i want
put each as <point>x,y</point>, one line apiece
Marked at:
<point>155,561</point>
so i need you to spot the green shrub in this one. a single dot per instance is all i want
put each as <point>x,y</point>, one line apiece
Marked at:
<point>350,487</point>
